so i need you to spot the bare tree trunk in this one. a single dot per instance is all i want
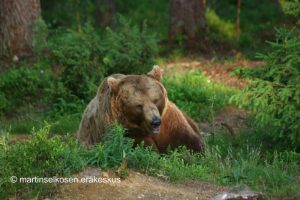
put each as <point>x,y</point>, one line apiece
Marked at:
<point>238,13</point>
<point>187,17</point>
<point>17,19</point>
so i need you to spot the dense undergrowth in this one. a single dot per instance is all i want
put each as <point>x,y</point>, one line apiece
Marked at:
<point>224,163</point>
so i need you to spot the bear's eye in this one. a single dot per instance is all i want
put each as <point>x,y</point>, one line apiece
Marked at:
<point>139,106</point>
<point>156,101</point>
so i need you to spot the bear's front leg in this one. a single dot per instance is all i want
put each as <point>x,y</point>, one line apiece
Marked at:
<point>195,143</point>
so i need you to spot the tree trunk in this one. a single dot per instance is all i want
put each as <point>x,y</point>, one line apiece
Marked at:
<point>97,4</point>
<point>187,17</point>
<point>106,16</point>
<point>17,19</point>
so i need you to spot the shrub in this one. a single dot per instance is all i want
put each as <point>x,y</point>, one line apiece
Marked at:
<point>22,86</point>
<point>129,50</point>
<point>77,55</point>
<point>42,156</point>
<point>274,94</point>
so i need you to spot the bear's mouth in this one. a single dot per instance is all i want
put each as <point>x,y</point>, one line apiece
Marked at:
<point>156,130</point>
<point>151,130</point>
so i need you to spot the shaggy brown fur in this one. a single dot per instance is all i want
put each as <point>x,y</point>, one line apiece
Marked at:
<point>136,101</point>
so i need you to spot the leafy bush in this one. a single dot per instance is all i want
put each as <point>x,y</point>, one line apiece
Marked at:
<point>22,86</point>
<point>40,157</point>
<point>274,94</point>
<point>129,50</point>
<point>77,55</point>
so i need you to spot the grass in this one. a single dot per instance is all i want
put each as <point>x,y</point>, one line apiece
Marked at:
<point>67,123</point>
<point>199,97</point>
<point>276,174</point>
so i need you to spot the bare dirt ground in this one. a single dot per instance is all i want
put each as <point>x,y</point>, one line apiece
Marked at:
<point>19,138</point>
<point>135,186</point>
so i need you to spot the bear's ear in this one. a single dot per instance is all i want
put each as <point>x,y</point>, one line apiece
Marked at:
<point>113,83</point>
<point>156,73</point>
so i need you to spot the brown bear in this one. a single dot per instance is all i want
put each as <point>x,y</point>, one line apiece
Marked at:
<point>140,104</point>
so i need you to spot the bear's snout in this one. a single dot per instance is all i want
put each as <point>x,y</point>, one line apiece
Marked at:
<point>155,122</point>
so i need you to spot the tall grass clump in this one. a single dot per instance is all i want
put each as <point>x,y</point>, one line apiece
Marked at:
<point>115,147</point>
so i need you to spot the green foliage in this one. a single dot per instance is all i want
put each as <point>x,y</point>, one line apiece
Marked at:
<point>129,50</point>
<point>225,29</point>
<point>40,36</point>
<point>223,162</point>
<point>68,13</point>
<point>291,7</point>
<point>155,12</point>
<point>257,19</point>
<point>274,94</point>
<point>42,156</point>
<point>22,86</point>
<point>114,149</point>
<point>246,73</point>
<point>77,55</point>
<point>60,123</point>
<point>65,123</point>
<point>197,95</point>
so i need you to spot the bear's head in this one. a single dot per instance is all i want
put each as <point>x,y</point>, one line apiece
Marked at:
<point>138,101</point>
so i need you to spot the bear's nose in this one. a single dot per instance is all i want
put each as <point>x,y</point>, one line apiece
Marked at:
<point>155,122</point>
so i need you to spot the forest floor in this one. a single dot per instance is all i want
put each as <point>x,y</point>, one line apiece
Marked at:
<point>219,72</point>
